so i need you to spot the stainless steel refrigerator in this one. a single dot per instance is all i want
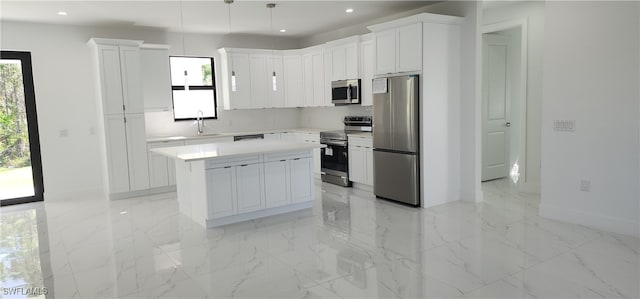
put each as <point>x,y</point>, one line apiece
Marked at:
<point>396,139</point>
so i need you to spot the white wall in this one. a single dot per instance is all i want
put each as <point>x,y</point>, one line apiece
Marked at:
<point>591,75</point>
<point>330,117</point>
<point>64,79</point>
<point>469,127</point>
<point>533,12</point>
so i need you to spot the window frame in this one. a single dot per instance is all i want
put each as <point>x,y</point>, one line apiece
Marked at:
<point>196,87</point>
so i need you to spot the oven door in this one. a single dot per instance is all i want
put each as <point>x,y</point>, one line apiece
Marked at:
<point>335,158</point>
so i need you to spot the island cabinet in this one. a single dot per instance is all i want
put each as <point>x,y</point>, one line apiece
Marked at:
<point>223,183</point>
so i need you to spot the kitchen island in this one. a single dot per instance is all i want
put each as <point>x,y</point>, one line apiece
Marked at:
<point>229,182</point>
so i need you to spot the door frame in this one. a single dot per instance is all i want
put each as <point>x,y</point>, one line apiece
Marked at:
<point>32,127</point>
<point>523,25</point>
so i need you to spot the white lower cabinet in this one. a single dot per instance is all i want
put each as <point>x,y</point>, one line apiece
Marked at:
<point>276,184</point>
<point>361,160</point>
<point>162,170</point>
<point>249,184</point>
<point>301,182</point>
<point>251,187</point>
<point>221,192</point>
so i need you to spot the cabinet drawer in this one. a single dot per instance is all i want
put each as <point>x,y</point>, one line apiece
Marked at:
<point>361,141</point>
<point>232,161</point>
<point>286,156</point>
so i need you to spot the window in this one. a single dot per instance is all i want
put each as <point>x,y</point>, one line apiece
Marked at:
<point>193,85</point>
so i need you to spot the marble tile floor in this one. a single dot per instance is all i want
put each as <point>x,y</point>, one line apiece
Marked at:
<point>350,245</point>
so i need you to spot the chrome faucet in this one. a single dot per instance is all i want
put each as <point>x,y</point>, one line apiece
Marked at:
<point>200,121</point>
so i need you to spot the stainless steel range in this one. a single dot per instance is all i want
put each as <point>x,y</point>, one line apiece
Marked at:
<point>335,157</point>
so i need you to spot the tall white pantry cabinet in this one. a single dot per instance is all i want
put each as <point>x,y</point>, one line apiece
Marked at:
<point>121,116</point>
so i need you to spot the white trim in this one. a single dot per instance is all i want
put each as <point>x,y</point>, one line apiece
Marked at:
<point>158,190</point>
<point>523,24</point>
<point>114,42</point>
<point>615,225</point>
<point>155,46</point>
<point>423,17</point>
<point>259,214</point>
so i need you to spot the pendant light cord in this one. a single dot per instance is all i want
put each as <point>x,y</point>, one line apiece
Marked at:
<point>182,28</point>
<point>273,45</point>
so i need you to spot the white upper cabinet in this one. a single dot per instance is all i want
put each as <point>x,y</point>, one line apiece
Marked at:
<point>308,80</point>
<point>156,82</point>
<point>345,61</point>
<point>367,65</point>
<point>328,73</point>
<point>110,79</point>
<point>317,62</point>
<point>399,49</point>
<point>236,79</point>
<point>409,48</point>
<point>260,92</point>
<point>294,81</point>
<point>131,79</point>
<point>386,52</point>
<point>275,64</point>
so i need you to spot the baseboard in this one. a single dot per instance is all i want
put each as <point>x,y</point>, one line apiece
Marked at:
<point>259,214</point>
<point>363,187</point>
<point>152,191</point>
<point>86,193</point>
<point>530,187</point>
<point>605,223</point>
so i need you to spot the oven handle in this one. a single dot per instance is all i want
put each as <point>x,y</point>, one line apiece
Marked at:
<point>333,142</point>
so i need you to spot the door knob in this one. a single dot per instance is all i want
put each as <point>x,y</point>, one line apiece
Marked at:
<point>508,124</point>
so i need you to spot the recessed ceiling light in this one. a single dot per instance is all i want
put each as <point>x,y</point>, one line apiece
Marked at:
<point>349,10</point>
<point>283,30</point>
<point>62,13</point>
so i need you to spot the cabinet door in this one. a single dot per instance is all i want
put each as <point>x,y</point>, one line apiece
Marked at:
<point>318,79</point>
<point>368,166</point>
<point>294,81</point>
<point>137,152</point>
<point>221,192</point>
<point>367,70</point>
<point>386,52</point>
<point>277,96</point>
<point>351,63</point>
<point>339,68</point>
<point>116,142</point>
<point>357,164</point>
<point>158,170</point>
<point>301,185</point>
<point>308,80</point>
<point>131,79</point>
<point>276,184</point>
<point>110,79</point>
<point>249,182</point>
<point>409,47</point>
<point>241,97</point>
<point>259,84</point>
<point>328,73</point>
<point>156,82</point>
<point>272,136</point>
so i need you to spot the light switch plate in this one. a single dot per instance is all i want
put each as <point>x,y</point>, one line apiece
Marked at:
<point>585,185</point>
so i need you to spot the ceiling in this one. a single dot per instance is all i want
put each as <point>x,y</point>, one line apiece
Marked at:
<point>299,18</point>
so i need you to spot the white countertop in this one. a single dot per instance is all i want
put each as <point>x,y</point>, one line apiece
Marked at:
<point>231,134</point>
<point>230,149</point>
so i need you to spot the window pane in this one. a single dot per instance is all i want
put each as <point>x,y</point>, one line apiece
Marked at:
<point>186,103</point>
<point>198,71</point>
<point>16,178</point>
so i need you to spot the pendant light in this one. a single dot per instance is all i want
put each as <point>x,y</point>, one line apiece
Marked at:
<point>186,74</point>
<point>233,71</point>
<point>274,79</point>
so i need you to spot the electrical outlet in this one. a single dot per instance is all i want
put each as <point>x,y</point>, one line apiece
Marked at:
<point>64,133</point>
<point>564,125</point>
<point>585,185</point>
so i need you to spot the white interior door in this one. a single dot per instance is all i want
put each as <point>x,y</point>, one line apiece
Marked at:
<point>496,97</point>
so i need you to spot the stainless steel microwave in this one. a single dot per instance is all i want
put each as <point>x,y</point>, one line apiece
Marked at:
<point>345,92</point>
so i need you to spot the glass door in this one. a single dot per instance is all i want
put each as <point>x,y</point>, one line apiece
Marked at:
<point>20,163</point>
